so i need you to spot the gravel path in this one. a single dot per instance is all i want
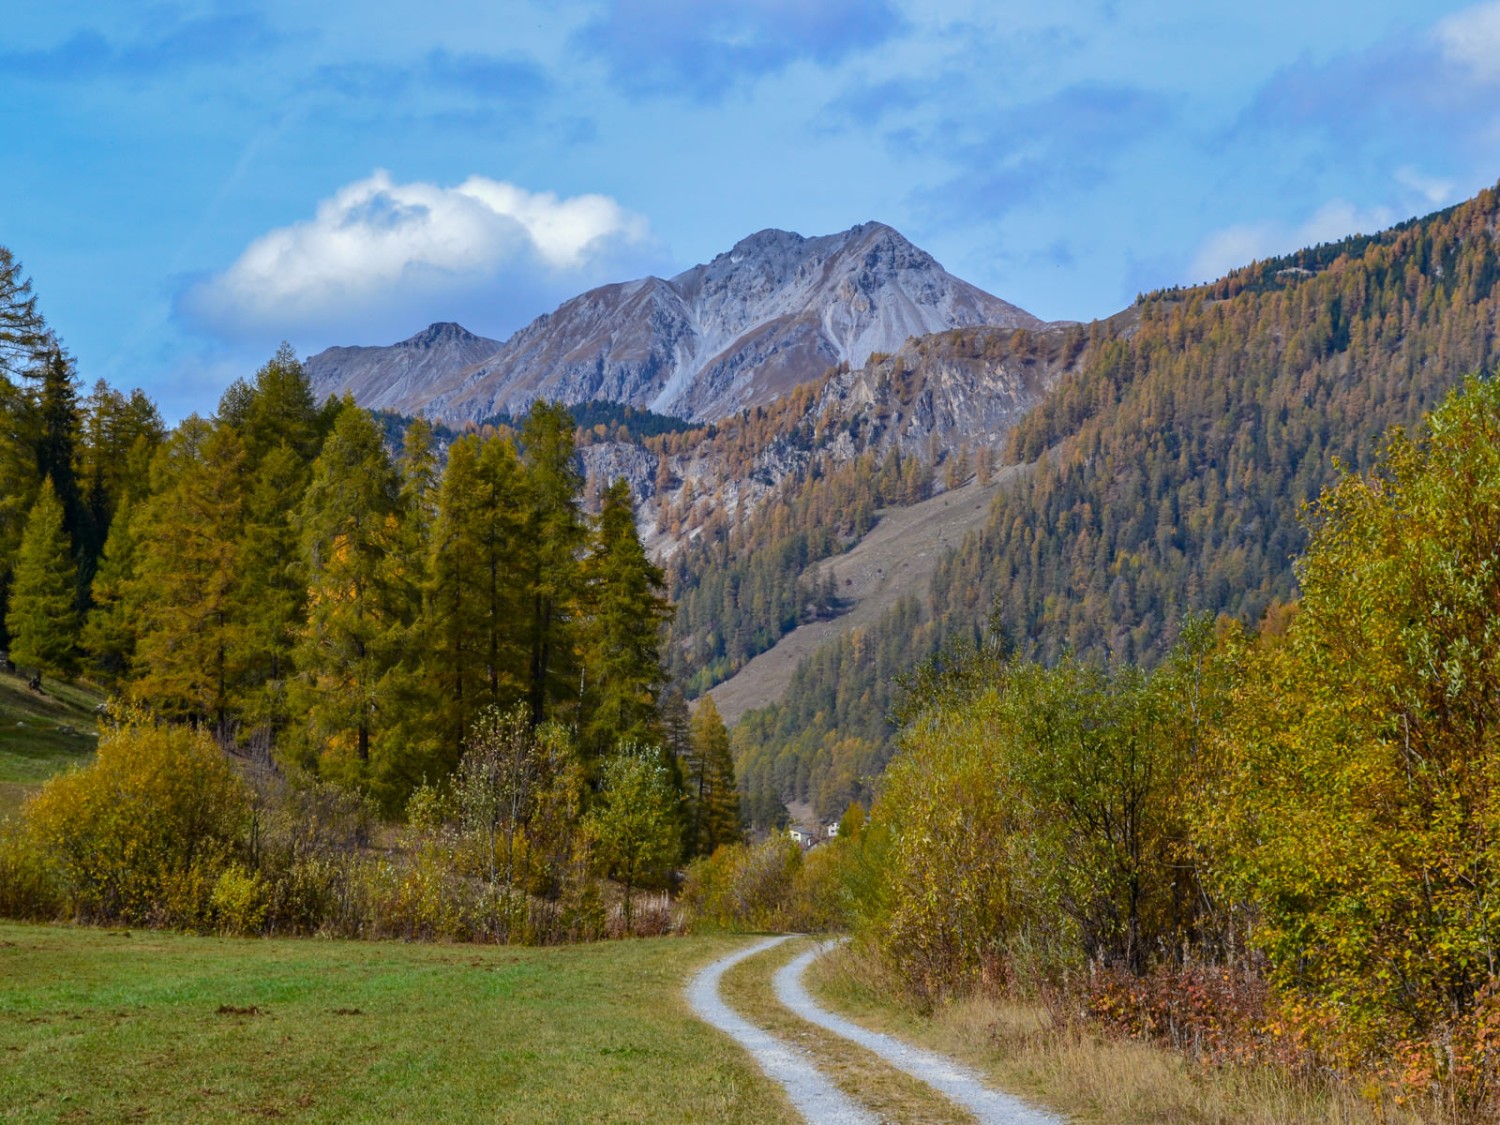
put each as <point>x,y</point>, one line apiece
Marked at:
<point>957,1082</point>
<point>816,1098</point>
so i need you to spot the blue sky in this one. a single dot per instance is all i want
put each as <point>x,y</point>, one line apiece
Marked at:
<point>190,183</point>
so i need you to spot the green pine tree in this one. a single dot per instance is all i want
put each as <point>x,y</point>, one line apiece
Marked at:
<point>187,595</point>
<point>622,672</point>
<point>43,618</point>
<point>713,798</point>
<point>554,535</point>
<point>350,527</point>
<point>109,633</point>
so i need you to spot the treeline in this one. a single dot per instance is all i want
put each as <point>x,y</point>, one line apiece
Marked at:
<point>1167,473</point>
<point>1274,846</point>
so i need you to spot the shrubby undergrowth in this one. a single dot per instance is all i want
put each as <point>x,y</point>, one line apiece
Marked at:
<point>165,829</point>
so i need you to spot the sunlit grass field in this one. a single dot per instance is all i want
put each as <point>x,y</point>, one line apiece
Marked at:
<point>41,735</point>
<point>113,1026</point>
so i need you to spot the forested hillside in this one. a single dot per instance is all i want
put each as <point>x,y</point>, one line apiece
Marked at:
<point>747,508</point>
<point>1169,472</point>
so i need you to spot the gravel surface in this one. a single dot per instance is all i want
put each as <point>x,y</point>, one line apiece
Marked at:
<point>957,1082</point>
<point>816,1098</point>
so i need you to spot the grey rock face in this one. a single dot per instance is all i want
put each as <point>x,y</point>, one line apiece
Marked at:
<point>776,311</point>
<point>388,378</point>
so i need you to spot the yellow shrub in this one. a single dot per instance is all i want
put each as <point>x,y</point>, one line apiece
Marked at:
<point>143,832</point>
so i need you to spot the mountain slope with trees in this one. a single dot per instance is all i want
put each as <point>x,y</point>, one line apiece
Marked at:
<point>1169,468</point>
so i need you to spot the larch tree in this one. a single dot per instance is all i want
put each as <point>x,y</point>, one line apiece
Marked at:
<point>622,672</point>
<point>713,799</point>
<point>43,619</point>
<point>474,603</point>
<point>554,534</point>
<point>350,525</point>
<point>186,594</point>
<point>109,632</point>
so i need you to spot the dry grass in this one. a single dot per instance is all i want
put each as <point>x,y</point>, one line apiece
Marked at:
<point>1087,1077</point>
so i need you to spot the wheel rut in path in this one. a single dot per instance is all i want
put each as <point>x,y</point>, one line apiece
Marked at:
<point>958,1083</point>
<point>814,1096</point>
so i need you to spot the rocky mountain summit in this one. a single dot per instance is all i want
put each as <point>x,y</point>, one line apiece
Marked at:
<point>388,378</point>
<point>776,311</point>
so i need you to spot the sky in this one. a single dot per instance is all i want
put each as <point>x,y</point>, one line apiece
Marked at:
<point>189,184</point>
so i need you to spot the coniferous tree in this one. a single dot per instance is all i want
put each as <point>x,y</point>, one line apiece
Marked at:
<point>622,671</point>
<point>278,424</point>
<point>187,596</point>
<point>554,534</point>
<point>473,610</point>
<point>19,484</point>
<point>274,585</point>
<point>120,433</point>
<point>58,420</point>
<point>350,527</point>
<point>23,333</point>
<point>43,618</point>
<point>109,632</point>
<point>713,799</point>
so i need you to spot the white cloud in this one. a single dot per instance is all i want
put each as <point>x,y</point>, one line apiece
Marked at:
<point>1471,39</point>
<point>1239,245</point>
<point>379,250</point>
<point>1430,189</point>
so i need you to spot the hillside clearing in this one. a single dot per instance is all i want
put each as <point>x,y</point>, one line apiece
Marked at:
<point>41,735</point>
<point>898,557</point>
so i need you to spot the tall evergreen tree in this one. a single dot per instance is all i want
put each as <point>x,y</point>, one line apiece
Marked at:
<point>43,618</point>
<point>109,633</point>
<point>119,435</point>
<point>58,420</point>
<point>622,671</point>
<point>555,533</point>
<point>187,595</point>
<point>23,333</point>
<point>713,799</point>
<point>19,484</point>
<point>350,525</point>
<point>474,599</point>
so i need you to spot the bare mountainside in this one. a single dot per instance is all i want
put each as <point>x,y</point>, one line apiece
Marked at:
<point>776,311</point>
<point>384,378</point>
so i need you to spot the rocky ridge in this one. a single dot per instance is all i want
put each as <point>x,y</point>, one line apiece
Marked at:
<point>774,312</point>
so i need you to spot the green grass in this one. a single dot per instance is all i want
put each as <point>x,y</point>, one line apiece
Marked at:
<point>41,735</point>
<point>101,1025</point>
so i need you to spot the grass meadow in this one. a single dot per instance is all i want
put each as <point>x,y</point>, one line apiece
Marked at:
<point>115,1025</point>
<point>40,735</point>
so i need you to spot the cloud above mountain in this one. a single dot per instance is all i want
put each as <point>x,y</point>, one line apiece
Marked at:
<point>378,249</point>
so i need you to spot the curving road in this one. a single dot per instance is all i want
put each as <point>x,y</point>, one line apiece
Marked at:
<point>816,1098</point>
<point>958,1083</point>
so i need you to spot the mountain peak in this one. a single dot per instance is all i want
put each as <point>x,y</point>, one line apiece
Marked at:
<point>776,310</point>
<point>434,335</point>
